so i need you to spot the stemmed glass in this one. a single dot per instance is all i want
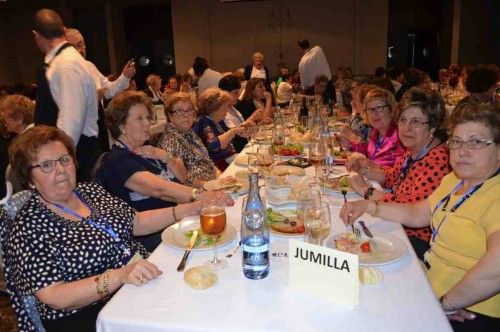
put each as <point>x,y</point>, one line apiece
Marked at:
<point>213,223</point>
<point>265,156</point>
<point>317,222</point>
<point>317,155</point>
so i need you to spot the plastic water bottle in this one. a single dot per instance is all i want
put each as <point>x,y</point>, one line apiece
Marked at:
<point>255,234</point>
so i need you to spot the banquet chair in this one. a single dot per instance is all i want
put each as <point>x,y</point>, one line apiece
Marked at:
<point>9,206</point>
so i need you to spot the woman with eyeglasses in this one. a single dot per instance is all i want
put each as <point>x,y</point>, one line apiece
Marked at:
<point>182,142</point>
<point>140,174</point>
<point>464,256</point>
<point>71,246</point>
<point>213,105</point>
<point>421,120</point>
<point>383,146</point>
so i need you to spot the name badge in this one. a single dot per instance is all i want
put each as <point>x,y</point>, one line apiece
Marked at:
<point>135,196</point>
<point>324,272</point>
<point>135,258</point>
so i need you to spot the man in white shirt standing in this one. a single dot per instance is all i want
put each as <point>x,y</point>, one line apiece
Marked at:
<point>66,95</point>
<point>312,64</point>
<point>105,88</point>
<point>207,78</point>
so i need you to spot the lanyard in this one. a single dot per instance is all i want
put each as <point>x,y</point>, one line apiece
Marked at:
<point>378,144</point>
<point>220,129</point>
<point>153,162</point>
<point>106,227</point>
<point>201,148</point>
<point>444,202</point>
<point>408,163</point>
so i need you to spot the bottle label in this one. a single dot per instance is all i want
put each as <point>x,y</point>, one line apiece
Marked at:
<point>256,250</point>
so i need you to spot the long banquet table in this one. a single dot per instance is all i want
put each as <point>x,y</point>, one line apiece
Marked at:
<point>403,301</point>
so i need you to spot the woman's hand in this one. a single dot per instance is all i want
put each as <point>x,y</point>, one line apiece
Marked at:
<point>240,130</point>
<point>359,165</point>
<point>267,96</point>
<point>358,184</point>
<point>220,197</point>
<point>461,315</point>
<point>353,210</point>
<point>140,272</point>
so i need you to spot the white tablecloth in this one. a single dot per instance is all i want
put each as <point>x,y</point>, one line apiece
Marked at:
<point>403,301</point>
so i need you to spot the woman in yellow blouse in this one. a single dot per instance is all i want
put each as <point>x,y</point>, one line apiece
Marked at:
<point>464,258</point>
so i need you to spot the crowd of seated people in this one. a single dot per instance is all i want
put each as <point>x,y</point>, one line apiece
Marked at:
<point>397,121</point>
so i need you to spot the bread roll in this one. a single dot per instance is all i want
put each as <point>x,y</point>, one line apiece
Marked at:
<point>200,277</point>
<point>370,276</point>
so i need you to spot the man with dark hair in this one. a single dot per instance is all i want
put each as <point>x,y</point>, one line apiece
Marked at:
<point>380,72</point>
<point>207,78</point>
<point>312,64</point>
<point>396,75</point>
<point>105,88</point>
<point>320,89</point>
<point>66,95</point>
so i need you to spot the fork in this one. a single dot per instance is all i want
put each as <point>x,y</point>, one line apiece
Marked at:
<point>357,232</point>
<point>234,251</point>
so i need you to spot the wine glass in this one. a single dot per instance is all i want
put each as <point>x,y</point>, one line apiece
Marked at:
<point>213,223</point>
<point>265,157</point>
<point>316,157</point>
<point>317,222</point>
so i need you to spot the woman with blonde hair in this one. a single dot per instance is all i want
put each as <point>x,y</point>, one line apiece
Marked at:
<point>383,146</point>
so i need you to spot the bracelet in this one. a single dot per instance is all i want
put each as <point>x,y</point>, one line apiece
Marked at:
<point>377,209</point>
<point>174,215</point>
<point>368,192</point>
<point>105,287</point>
<point>195,193</point>
<point>98,288</point>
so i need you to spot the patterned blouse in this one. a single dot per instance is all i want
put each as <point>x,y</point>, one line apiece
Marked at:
<point>43,248</point>
<point>422,178</point>
<point>188,147</point>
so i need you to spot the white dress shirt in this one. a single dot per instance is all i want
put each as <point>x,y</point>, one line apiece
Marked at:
<point>258,73</point>
<point>209,79</point>
<point>102,82</point>
<point>233,118</point>
<point>312,64</point>
<point>73,88</point>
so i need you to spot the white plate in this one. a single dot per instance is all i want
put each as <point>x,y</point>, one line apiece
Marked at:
<point>286,158</point>
<point>386,249</point>
<point>287,235</point>
<point>174,236</point>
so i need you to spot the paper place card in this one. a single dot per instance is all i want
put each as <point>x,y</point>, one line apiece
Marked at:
<point>325,272</point>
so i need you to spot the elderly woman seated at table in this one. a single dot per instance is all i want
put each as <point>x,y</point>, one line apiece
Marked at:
<point>464,256</point>
<point>142,175</point>
<point>255,97</point>
<point>182,142</point>
<point>323,89</point>
<point>72,245</point>
<point>383,146</point>
<point>421,116</point>
<point>213,106</point>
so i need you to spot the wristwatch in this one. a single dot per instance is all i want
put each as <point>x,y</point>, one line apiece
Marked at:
<point>195,194</point>
<point>368,193</point>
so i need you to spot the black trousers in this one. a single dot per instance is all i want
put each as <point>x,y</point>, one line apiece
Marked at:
<point>481,323</point>
<point>87,153</point>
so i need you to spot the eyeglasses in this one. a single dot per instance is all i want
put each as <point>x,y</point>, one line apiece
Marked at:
<point>49,165</point>
<point>414,123</point>
<point>182,112</point>
<point>376,109</point>
<point>472,144</point>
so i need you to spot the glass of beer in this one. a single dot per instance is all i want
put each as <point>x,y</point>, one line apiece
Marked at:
<point>213,224</point>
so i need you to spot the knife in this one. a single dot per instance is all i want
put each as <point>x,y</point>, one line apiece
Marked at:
<point>192,240</point>
<point>365,229</point>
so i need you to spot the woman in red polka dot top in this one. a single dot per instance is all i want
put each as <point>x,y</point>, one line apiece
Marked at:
<point>419,171</point>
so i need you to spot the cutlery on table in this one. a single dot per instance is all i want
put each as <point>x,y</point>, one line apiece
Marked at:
<point>365,229</point>
<point>234,250</point>
<point>344,192</point>
<point>192,240</point>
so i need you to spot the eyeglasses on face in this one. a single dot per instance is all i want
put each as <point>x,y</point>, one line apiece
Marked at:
<point>414,123</point>
<point>377,109</point>
<point>182,112</point>
<point>49,165</point>
<point>472,144</point>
